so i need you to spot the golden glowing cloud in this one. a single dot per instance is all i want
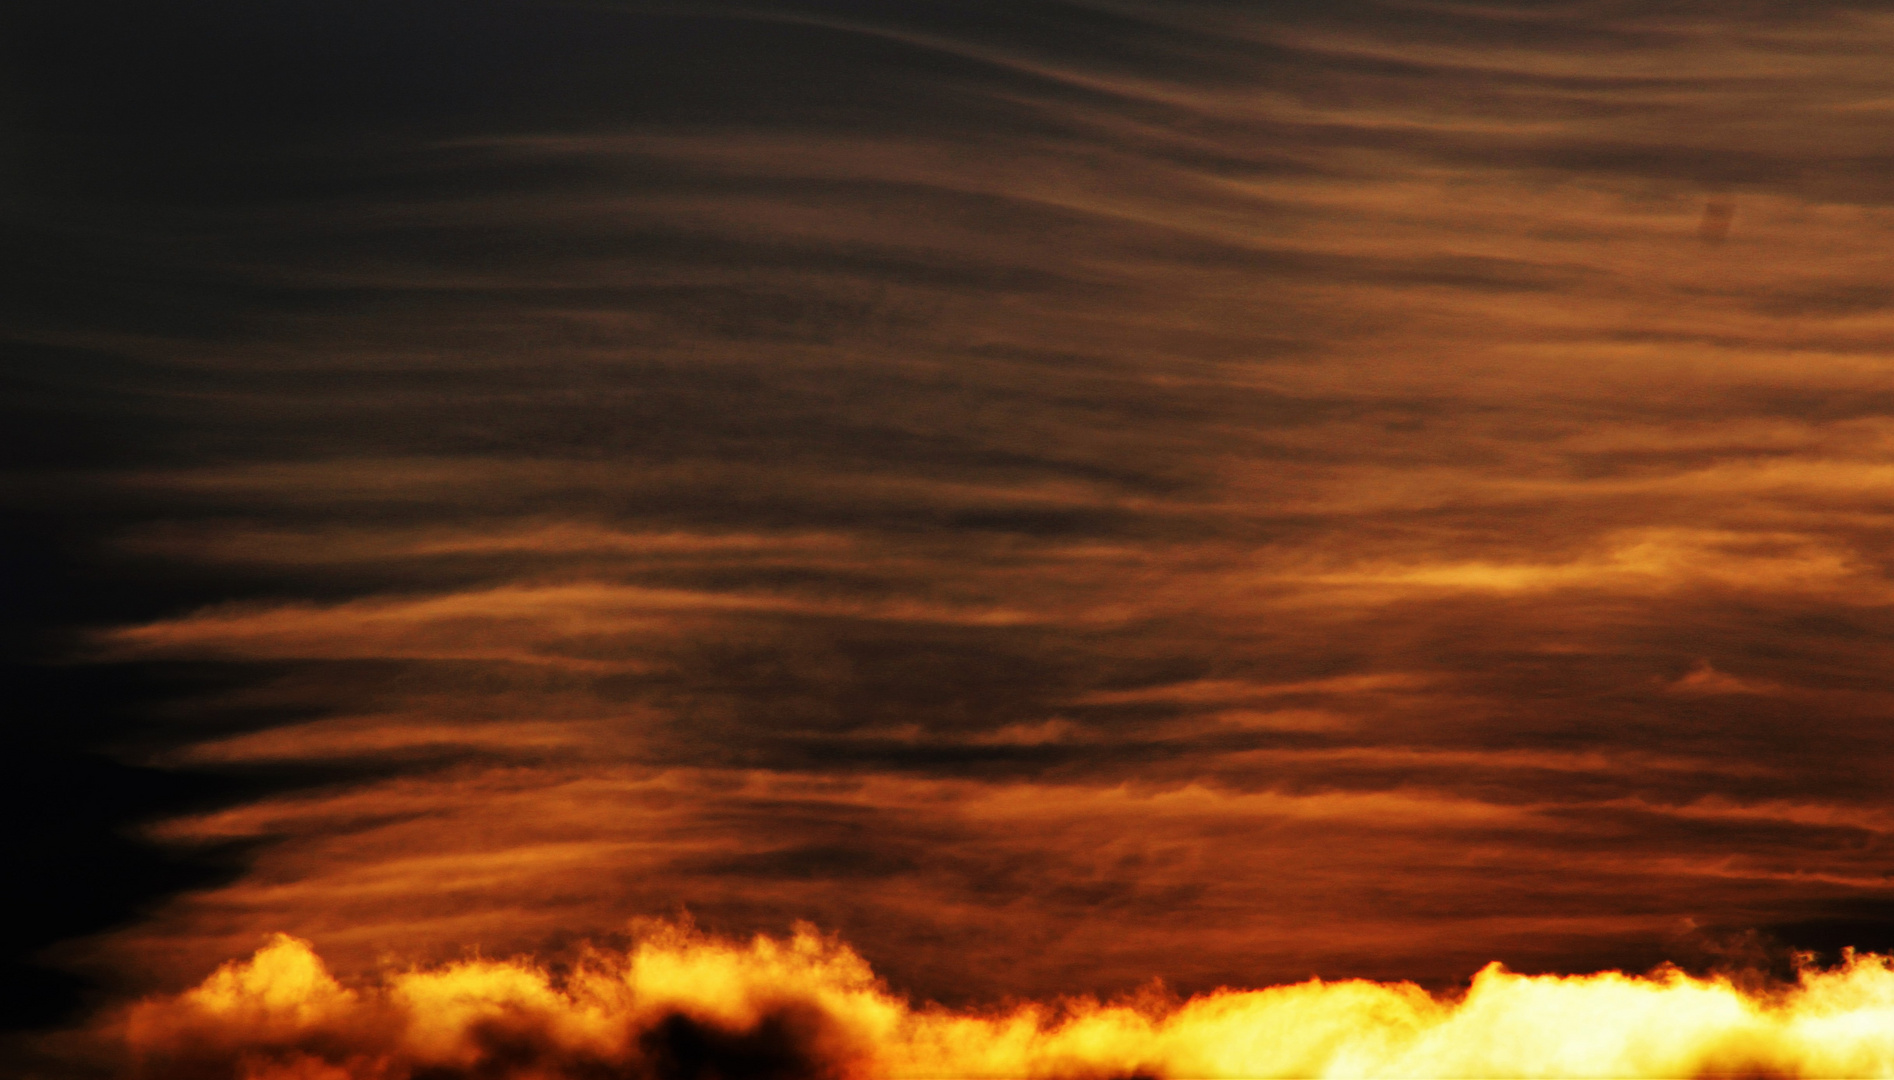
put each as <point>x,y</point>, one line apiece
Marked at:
<point>679,1004</point>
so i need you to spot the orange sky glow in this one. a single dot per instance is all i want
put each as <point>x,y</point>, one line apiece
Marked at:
<point>1061,539</point>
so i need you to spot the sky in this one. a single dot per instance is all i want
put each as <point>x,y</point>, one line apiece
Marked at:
<point>1055,495</point>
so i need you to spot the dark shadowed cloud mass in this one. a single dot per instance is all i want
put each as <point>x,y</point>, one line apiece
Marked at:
<point>1058,494</point>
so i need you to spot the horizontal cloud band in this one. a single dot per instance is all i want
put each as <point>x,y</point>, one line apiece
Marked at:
<point>681,1004</point>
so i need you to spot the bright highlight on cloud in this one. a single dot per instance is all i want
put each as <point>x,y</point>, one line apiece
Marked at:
<point>678,1004</point>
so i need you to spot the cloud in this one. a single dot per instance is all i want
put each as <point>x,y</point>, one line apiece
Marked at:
<point>678,1004</point>
<point>1296,482</point>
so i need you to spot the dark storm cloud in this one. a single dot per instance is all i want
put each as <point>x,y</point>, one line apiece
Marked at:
<point>1297,481</point>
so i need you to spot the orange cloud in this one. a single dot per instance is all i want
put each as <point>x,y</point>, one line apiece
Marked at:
<point>682,1004</point>
<point>1256,480</point>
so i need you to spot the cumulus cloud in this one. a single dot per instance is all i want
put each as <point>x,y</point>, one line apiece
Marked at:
<point>677,1004</point>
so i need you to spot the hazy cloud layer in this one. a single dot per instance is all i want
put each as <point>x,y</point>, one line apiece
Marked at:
<point>1059,494</point>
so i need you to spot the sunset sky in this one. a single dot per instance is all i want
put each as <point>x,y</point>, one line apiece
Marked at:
<point>1058,495</point>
